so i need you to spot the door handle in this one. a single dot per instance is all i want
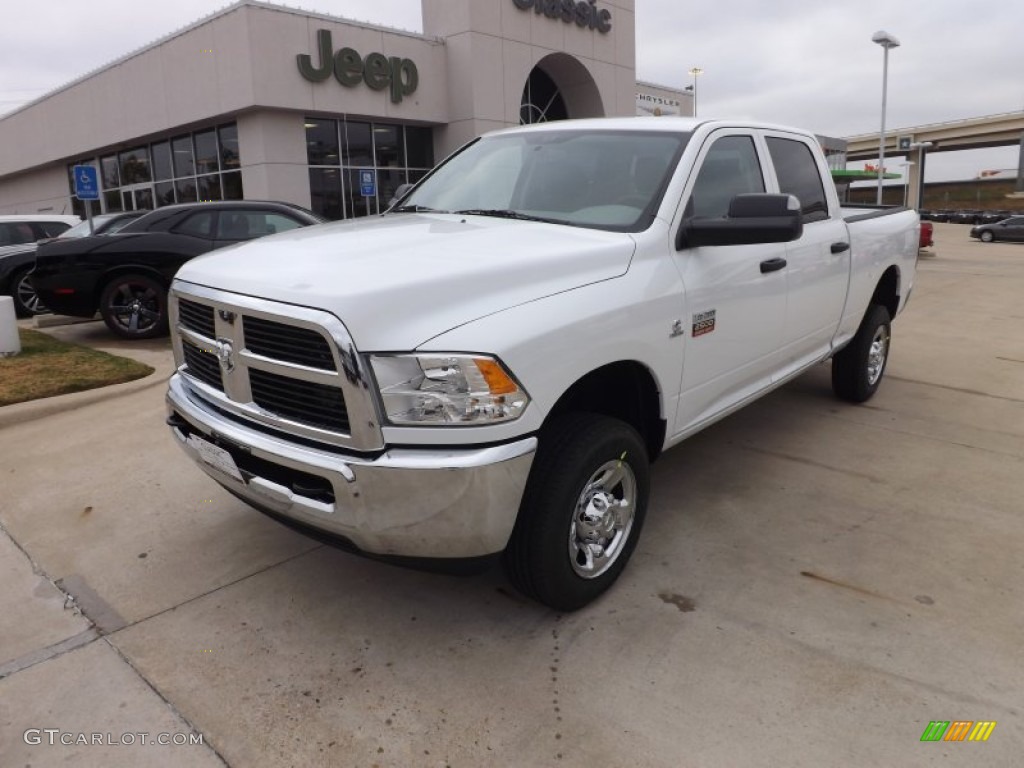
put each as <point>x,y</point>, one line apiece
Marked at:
<point>772,265</point>
<point>840,247</point>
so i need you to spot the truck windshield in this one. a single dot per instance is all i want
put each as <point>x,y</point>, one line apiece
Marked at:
<point>611,180</point>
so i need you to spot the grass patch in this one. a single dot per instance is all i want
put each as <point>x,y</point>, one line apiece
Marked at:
<point>47,367</point>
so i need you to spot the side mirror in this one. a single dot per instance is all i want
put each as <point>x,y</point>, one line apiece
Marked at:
<point>400,192</point>
<point>753,218</point>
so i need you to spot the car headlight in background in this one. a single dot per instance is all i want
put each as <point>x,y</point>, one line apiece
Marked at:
<point>432,389</point>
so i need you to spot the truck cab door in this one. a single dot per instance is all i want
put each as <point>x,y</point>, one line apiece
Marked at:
<point>735,295</point>
<point>818,264</point>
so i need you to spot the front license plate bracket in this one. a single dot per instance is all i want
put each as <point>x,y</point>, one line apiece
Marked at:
<point>216,457</point>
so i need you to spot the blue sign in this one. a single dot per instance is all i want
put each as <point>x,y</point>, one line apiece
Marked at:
<point>367,183</point>
<point>86,184</point>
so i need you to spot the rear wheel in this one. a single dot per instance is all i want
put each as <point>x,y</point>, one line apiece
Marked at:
<point>987,237</point>
<point>134,307</point>
<point>582,511</point>
<point>857,369</point>
<point>26,300</point>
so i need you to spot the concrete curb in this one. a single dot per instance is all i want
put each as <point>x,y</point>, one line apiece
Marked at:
<point>41,322</point>
<point>19,413</point>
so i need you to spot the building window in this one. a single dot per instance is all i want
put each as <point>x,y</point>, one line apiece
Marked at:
<point>358,147</point>
<point>183,169</point>
<point>419,147</point>
<point>325,192</point>
<point>337,150</point>
<point>111,178</point>
<point>229,157</point>
<point>134,166</point>
<point>209,188</point>
<point>183,162</point>
<point>162,168</point>
<point>206,152</point>
<point>111,200</point>
<point>322,142</point>
<point>231,185</point>
<point>542,102</point>
<point>185,189</point>
<point>164,193</point>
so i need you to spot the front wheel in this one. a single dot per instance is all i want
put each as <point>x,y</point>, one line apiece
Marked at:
<point>857,369</point>
<point>26,300</point>
<point>134,307</point>
<point>987,237</point>
<point>582,511</point>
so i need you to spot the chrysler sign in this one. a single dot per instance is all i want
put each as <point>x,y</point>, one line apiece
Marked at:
<point>584,13</point>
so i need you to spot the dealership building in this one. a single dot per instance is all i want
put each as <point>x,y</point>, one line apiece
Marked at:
<point>266,102</point>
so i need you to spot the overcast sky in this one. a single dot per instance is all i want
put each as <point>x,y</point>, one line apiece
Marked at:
<point>801,63</point>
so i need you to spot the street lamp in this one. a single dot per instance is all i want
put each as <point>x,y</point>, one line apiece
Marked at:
<point>695,71</point>
<point>887,41</point>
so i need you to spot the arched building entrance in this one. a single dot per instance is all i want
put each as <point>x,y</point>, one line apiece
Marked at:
<point>557,88</point>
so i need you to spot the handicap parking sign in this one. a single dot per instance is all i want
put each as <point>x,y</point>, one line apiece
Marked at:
<point>367,183</point>
<point>86,184</point>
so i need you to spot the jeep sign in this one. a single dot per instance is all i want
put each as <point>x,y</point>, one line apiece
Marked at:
<point>349,68</point>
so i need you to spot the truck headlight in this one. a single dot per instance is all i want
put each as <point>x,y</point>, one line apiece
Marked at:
<point>432,389</point>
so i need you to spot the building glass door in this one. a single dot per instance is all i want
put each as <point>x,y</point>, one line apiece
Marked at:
<point>138,197</point>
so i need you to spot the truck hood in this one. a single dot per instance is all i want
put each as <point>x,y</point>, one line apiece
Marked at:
<point>399,280</point>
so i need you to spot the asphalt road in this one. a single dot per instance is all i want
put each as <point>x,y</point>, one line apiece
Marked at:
<point>815,584</point>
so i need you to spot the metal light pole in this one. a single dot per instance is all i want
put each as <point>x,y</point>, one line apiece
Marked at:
<point>887,41</point>
<point>695,71</point>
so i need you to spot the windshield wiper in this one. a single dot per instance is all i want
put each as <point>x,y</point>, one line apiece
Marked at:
<point>416,209</point>
<point>500,213</point>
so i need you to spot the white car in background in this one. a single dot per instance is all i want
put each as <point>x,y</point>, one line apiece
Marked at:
<point>27,228</point>
<point>19,234</point>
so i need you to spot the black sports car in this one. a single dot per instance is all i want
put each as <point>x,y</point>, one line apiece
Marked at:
<point>16,263</point>
<point>125,276</point>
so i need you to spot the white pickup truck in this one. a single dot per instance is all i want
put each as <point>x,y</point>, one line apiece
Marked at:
<point>492,366</point>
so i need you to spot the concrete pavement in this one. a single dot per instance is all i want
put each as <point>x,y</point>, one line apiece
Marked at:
<point>815,584</point>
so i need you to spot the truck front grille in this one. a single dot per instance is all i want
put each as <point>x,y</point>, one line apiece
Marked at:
<point>317,405</point>
<point>196,317</point>
<point>202,363</point>
<point>280,367</point>
<point>292,344</point>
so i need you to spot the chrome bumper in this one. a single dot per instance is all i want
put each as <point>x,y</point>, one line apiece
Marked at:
<point>430,503</point>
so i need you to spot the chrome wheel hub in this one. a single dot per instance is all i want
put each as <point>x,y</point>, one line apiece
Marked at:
<point>602,519</point>
<point>877,354</point>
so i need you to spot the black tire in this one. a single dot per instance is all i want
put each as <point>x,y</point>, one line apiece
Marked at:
<point>986,237</point>
<point>858,368</point>
<point>134,307</point>
<point>581,458</point>
<point>26,301</point>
